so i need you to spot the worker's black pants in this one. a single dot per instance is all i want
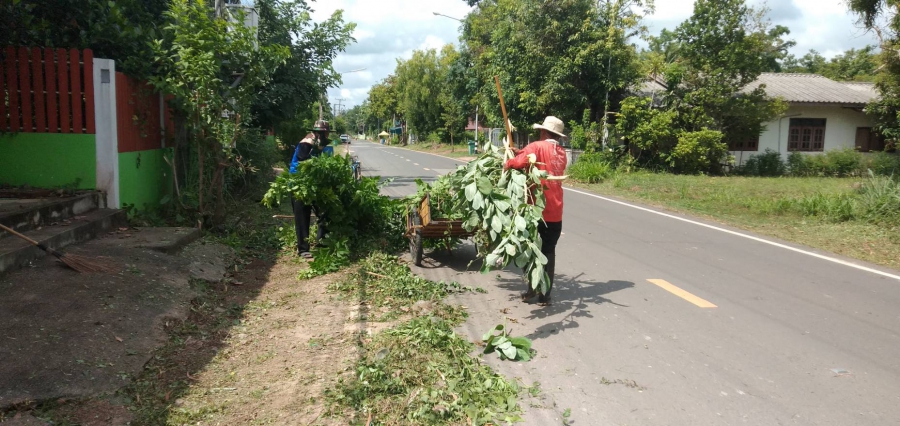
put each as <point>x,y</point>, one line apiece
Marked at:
<point>302,215</point>
<point>550,232</point>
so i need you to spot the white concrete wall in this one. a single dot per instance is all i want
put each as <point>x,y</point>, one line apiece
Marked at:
<point>840,129</point>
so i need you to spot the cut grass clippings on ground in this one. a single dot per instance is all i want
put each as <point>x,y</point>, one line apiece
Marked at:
<point>421,371</point>
<point>811,211</point>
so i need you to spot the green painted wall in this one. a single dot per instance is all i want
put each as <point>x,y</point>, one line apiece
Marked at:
<point>48,160</point>
<point>144,178</point>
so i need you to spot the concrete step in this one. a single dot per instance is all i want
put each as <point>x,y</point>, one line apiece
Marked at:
<point>16,253</point>
<point>25,214</point>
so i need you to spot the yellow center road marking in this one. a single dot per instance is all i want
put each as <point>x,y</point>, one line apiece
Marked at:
<point>671,288</point>
<point>415,164</point>
<point>407,159</point>
<point>426,168</point>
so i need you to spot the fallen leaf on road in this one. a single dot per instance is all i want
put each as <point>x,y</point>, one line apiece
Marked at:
<point>119,339</point>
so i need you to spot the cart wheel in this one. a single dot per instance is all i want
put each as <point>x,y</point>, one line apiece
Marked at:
<point>415,238</point>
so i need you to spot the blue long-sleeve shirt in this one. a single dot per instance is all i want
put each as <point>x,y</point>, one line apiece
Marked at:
<point>306,149</point>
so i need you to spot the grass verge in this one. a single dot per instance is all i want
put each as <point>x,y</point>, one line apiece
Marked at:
<point>804,210</point>
<point>456,151</point>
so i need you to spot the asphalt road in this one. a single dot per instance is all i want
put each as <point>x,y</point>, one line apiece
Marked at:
<point>662,319</point>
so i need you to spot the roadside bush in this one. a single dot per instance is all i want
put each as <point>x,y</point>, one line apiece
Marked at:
<point>591,168</point>
<point>698,152</point>
<point>843,162</point>
<point>834,163</point>
<point>883,163</point>
<point>769,163</point>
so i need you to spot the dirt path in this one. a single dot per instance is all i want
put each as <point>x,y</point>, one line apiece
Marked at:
<point>288,345</point>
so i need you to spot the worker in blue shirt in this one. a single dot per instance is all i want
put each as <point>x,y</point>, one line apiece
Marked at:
<point>310,146</point>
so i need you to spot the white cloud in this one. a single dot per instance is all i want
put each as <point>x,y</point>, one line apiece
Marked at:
<point>388,30</point>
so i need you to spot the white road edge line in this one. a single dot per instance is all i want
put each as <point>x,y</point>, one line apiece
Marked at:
<point>727,231</point>
<point>750,237</point>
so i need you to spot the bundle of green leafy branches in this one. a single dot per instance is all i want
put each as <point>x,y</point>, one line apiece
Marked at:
<point>440,197</point>
<point>503,208</point>
<point>359,219</point>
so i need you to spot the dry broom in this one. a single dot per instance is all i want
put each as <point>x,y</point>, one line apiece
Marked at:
<point>79,263</point>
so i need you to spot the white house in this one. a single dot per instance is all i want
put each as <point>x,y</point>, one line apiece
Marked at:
<point>823,115</point>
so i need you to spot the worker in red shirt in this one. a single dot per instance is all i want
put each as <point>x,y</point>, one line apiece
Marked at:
<point>549,156</point>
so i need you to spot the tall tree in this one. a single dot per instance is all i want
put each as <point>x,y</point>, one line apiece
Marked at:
<point>883,17</point>
<point>121,30</point>
<point>383,101</point>
<point>554,57</point>
<point>722,53</point>
<point>419,82</point>
<point>301,79</point>
<point>195,64</point>
<point>719,52</point>
<point>453,108</point>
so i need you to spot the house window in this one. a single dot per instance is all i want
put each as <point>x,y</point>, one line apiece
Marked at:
<point>745,144</point>
<point>806,134</point>
<point>868,140</point>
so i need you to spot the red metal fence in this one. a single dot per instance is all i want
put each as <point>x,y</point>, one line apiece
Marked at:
<point>47,90</point>
<point>138,115</point>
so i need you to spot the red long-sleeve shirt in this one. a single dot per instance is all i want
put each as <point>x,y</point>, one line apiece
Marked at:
<point>552,158</point>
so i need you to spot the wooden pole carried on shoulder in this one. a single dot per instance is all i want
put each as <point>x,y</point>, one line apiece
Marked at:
<point>505,117</point>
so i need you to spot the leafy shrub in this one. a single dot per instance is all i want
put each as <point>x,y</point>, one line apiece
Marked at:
<point>834,163</point>
<point>697,152</point>
<point>359,217</point>
<point>585,134</point>
<point>590,168</point>
<point>797,164</point>
<point>843,162</point>
<point>769,163</point>
<point>883,163</point>
<point>650,130</point>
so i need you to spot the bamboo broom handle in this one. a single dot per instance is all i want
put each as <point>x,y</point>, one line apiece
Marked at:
<point>19,235</point>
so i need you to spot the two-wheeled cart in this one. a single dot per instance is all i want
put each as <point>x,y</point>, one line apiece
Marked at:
<point>420,225</point>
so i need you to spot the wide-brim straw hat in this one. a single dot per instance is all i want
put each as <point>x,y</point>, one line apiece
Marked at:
<point>552,125</point>
<point>321,126</point>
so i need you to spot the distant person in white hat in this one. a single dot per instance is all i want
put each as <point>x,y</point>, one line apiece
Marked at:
<point>551,157</point>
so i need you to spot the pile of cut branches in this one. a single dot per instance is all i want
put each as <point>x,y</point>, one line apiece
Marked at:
<point>503,208</point>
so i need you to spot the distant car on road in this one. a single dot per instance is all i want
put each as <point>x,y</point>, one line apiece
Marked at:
<point>345,138</point>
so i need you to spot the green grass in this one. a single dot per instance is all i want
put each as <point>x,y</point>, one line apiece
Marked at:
<point>825,213</point>
<point>456,151</point>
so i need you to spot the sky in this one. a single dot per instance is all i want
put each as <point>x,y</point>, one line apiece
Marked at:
<point>390,29</point>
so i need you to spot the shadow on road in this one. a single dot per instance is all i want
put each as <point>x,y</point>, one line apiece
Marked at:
<point>457,260</point>
<point>573,296</point>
